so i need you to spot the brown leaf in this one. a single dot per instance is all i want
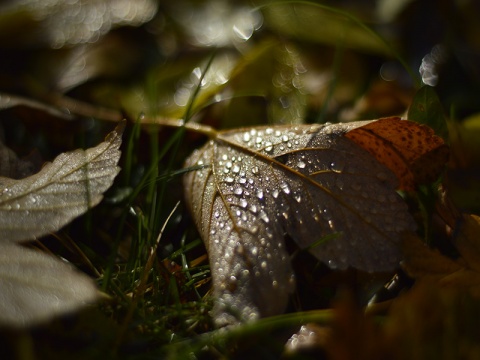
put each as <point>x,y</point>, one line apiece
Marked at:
<point>422,262</point>
<point>411,150</point>
<point>311,182</point>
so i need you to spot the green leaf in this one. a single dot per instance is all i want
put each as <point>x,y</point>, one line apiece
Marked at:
<point>427,109</point>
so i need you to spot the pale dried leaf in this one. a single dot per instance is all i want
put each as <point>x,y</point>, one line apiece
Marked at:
<point>258,184</point>
<point>61,191</point>
<point>35,287</point>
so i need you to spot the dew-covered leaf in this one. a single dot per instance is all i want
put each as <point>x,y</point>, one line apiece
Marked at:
<point>35,287</point>
<point>309,181</point>
<point>412,151</point>
<point>62,190</point>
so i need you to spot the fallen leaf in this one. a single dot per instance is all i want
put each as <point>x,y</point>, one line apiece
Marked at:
<point>35,287</point>
<point>311,182</point>
<point>432,322</point>
<point>412,151</point>
<point>423,262</point>
<point>62,190</point>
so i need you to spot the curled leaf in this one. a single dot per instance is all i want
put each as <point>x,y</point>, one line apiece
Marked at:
<point>311,182</point>
<point>35,287</point>
<point>62,190</point>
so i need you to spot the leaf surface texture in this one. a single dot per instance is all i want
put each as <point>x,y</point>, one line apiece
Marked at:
<point>311,182</point>
<point>62,190</point>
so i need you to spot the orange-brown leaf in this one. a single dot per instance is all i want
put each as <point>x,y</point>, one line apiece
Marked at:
<point>411,150</point>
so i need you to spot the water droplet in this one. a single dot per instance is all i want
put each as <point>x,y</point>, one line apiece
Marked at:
<point>275,193</point>
<point>260,194</point>
<point>253,209</point>
<point>236,169</point>
<point>336,166</point>
<point>268,146</point>
<point>216,214</point>
<point>243,203</point>
<point>298,198</point>
<point>285,138</point>
<point>263,216</point>
<point>255,170</point>
<point>228,164</point>
<point>301,164</point>
<point>242,180</point>
<point>238,191</point>
<point>285,188</point>
<point>229,180</point>
<point>263,264</point>
<point>331,224</point>
<point>332,264</point>
<point>246,137</point>
<point>224,157</point>
<point>258,140</point>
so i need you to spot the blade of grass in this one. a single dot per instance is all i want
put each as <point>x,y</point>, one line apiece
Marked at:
<point>140,289</point>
